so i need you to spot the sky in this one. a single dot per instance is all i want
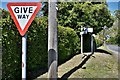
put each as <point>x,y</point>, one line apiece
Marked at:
<point>112,4</point>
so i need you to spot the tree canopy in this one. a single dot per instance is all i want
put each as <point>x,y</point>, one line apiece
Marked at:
<point>85,14</point>
<point>117,14</point>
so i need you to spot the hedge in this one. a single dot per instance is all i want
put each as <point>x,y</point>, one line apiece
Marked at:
<point>68,44</point>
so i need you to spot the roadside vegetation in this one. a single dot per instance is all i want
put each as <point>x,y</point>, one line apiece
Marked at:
<point>100,65</point>
<point>113,32</point>
<point>71,17</point>
<point>37,56</point>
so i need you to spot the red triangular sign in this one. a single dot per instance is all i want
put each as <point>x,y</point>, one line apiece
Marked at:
<point>23,13</point>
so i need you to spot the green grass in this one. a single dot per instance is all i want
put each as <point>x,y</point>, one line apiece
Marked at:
<point>99,65</point>
<point>102,66</point>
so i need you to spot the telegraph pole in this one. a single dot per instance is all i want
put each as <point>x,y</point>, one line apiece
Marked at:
<point>52,40</point>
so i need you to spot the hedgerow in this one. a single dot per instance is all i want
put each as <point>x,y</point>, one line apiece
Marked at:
<point>37,42</point>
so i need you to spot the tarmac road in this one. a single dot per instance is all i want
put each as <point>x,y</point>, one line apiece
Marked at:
<point>114,48</point>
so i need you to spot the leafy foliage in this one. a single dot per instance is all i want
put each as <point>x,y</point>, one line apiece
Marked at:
<point>11,45</point>
<point>86,14</point>
<point>117,14</point>
<point>36,46</point>
<point>115,29</point>
<point>98,42</point>
<point>45,9</point>
<point>68,43</point>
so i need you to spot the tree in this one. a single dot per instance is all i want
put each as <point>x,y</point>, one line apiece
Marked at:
<point>4,13</point>
<point>117,14</point>
<point>44,9</point>
<point>86,14</point>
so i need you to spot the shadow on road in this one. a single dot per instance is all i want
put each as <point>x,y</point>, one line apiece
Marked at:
<point>66,75</point>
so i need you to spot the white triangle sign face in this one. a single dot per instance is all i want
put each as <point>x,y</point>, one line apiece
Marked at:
<point>23,14</point>
<point>23,18</point>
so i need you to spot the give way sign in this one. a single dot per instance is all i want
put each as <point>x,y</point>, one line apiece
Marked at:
<point>23,13</point>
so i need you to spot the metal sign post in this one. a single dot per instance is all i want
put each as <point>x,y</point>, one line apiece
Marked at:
<point>81,33</point>
<point>92,47</point>
<point>23,13</point>
<point>81,43</point>
<point>24,39</point>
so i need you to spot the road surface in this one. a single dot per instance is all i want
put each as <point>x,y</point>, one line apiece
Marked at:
<point>114,48</point>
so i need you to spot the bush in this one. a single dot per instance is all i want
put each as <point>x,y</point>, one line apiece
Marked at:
<point>11,50</point>
<point>112,40</point>
<point>98,42</point>
<point>11,45</point>
<point>37,44</point>
<point>68,43</point>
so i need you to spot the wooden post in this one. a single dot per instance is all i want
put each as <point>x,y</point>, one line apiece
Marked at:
<point>52,41</point>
